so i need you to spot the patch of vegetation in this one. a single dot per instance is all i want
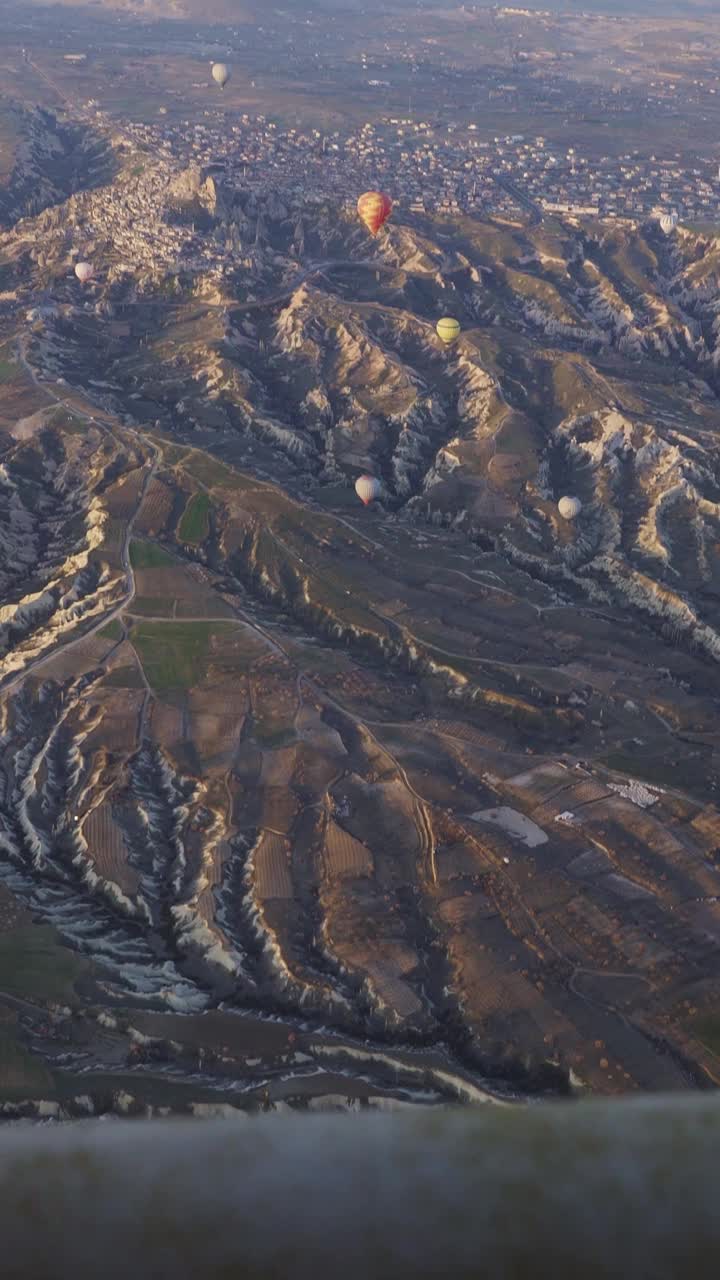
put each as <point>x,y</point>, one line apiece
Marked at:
<point>123,678</point>
<point>195,524</point>
<point>266,735</point>
<point>113,630</point>
<point>174,654</point>
<point>8,370</point>
<point>707,1031</point>
<point>683,773</point>
<point>21,1074</point>
<point>173,454</point>
<point>153,606</point>
<point>69,423</point>
<point>35,966</point>
<point>214,474</point>
<point>147,555</point>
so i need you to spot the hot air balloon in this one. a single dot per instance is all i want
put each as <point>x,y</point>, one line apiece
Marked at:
<point>220,74</point>
<point>83,271</point>
<point>668,222</point>
<point>448,329</point>
<point>569,508</point>
<point>367,489</point>
<point>374,209</point>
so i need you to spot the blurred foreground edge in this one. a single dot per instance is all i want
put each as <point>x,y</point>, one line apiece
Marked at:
<point>623,1190</point>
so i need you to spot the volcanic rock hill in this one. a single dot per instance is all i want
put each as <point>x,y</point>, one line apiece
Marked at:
<point>439,776</point>
<point>45,160</point>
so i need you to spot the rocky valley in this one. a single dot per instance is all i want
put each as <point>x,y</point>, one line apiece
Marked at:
<point>308,804</point>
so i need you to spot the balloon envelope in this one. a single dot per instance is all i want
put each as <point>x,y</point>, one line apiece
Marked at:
<point>448,329</point>
<point>367,489</point>
<point>374,209</point>
<point>569,508</point>
<point>220,74</point>
<point>668,222</point>
<point>83,271</point>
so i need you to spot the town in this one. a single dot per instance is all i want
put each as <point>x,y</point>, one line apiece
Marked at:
<point>437,168</point>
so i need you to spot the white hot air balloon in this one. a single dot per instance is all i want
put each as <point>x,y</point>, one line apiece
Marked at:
<point>83,271</point>
<point>668,223</point>
<point>220,74</point>
<point>367,489</point>
<point>569,508</point>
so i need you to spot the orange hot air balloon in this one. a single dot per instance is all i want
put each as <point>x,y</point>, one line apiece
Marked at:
<point>374,209</point>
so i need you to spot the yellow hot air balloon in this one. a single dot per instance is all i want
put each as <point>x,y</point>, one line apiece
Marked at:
<point>448,329</point>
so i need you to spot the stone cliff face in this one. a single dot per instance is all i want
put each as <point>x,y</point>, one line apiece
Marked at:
<point>52,160</point>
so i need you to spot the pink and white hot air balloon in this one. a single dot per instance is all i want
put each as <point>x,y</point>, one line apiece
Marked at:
<point>367,489</point>
<point>84,272</point>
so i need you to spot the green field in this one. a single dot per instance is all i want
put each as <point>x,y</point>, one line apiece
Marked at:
<point>153,606</point>
<point>68,422</point>
<point>113,630</point>
<point>174,654</point>
<point>8,370</point>
<point>707,1030</point>
<point>35,966</point>
<point>195,524</point>
<point>147,555</point>
<point>173,454</point>
<point>214,474</point>
<point>123,678</point>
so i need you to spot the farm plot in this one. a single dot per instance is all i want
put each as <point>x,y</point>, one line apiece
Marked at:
<point>215,719</point>
<point>35,966</point>
<point>165,588</point>
<point>271,865</point>
<point>391,988</point>
<point>20,400</point>
<point>176,655</point>
<point>344,855</point>
<point>117,728</point>
<point>106,847</point>
<point>194,526</point>
<point>277,808</point>
<point>214,474</point>
<point>167,724</point>
<point>123,497</point>
<point>84,656</point>
<point>383,817</point>
<point>278,767</point>
<point>22,1075</point>
<point>316,733</point>
<point>156,509</point>
<point>274,701</point>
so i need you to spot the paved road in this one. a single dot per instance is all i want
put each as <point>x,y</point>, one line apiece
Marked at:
<point>521,198</point>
